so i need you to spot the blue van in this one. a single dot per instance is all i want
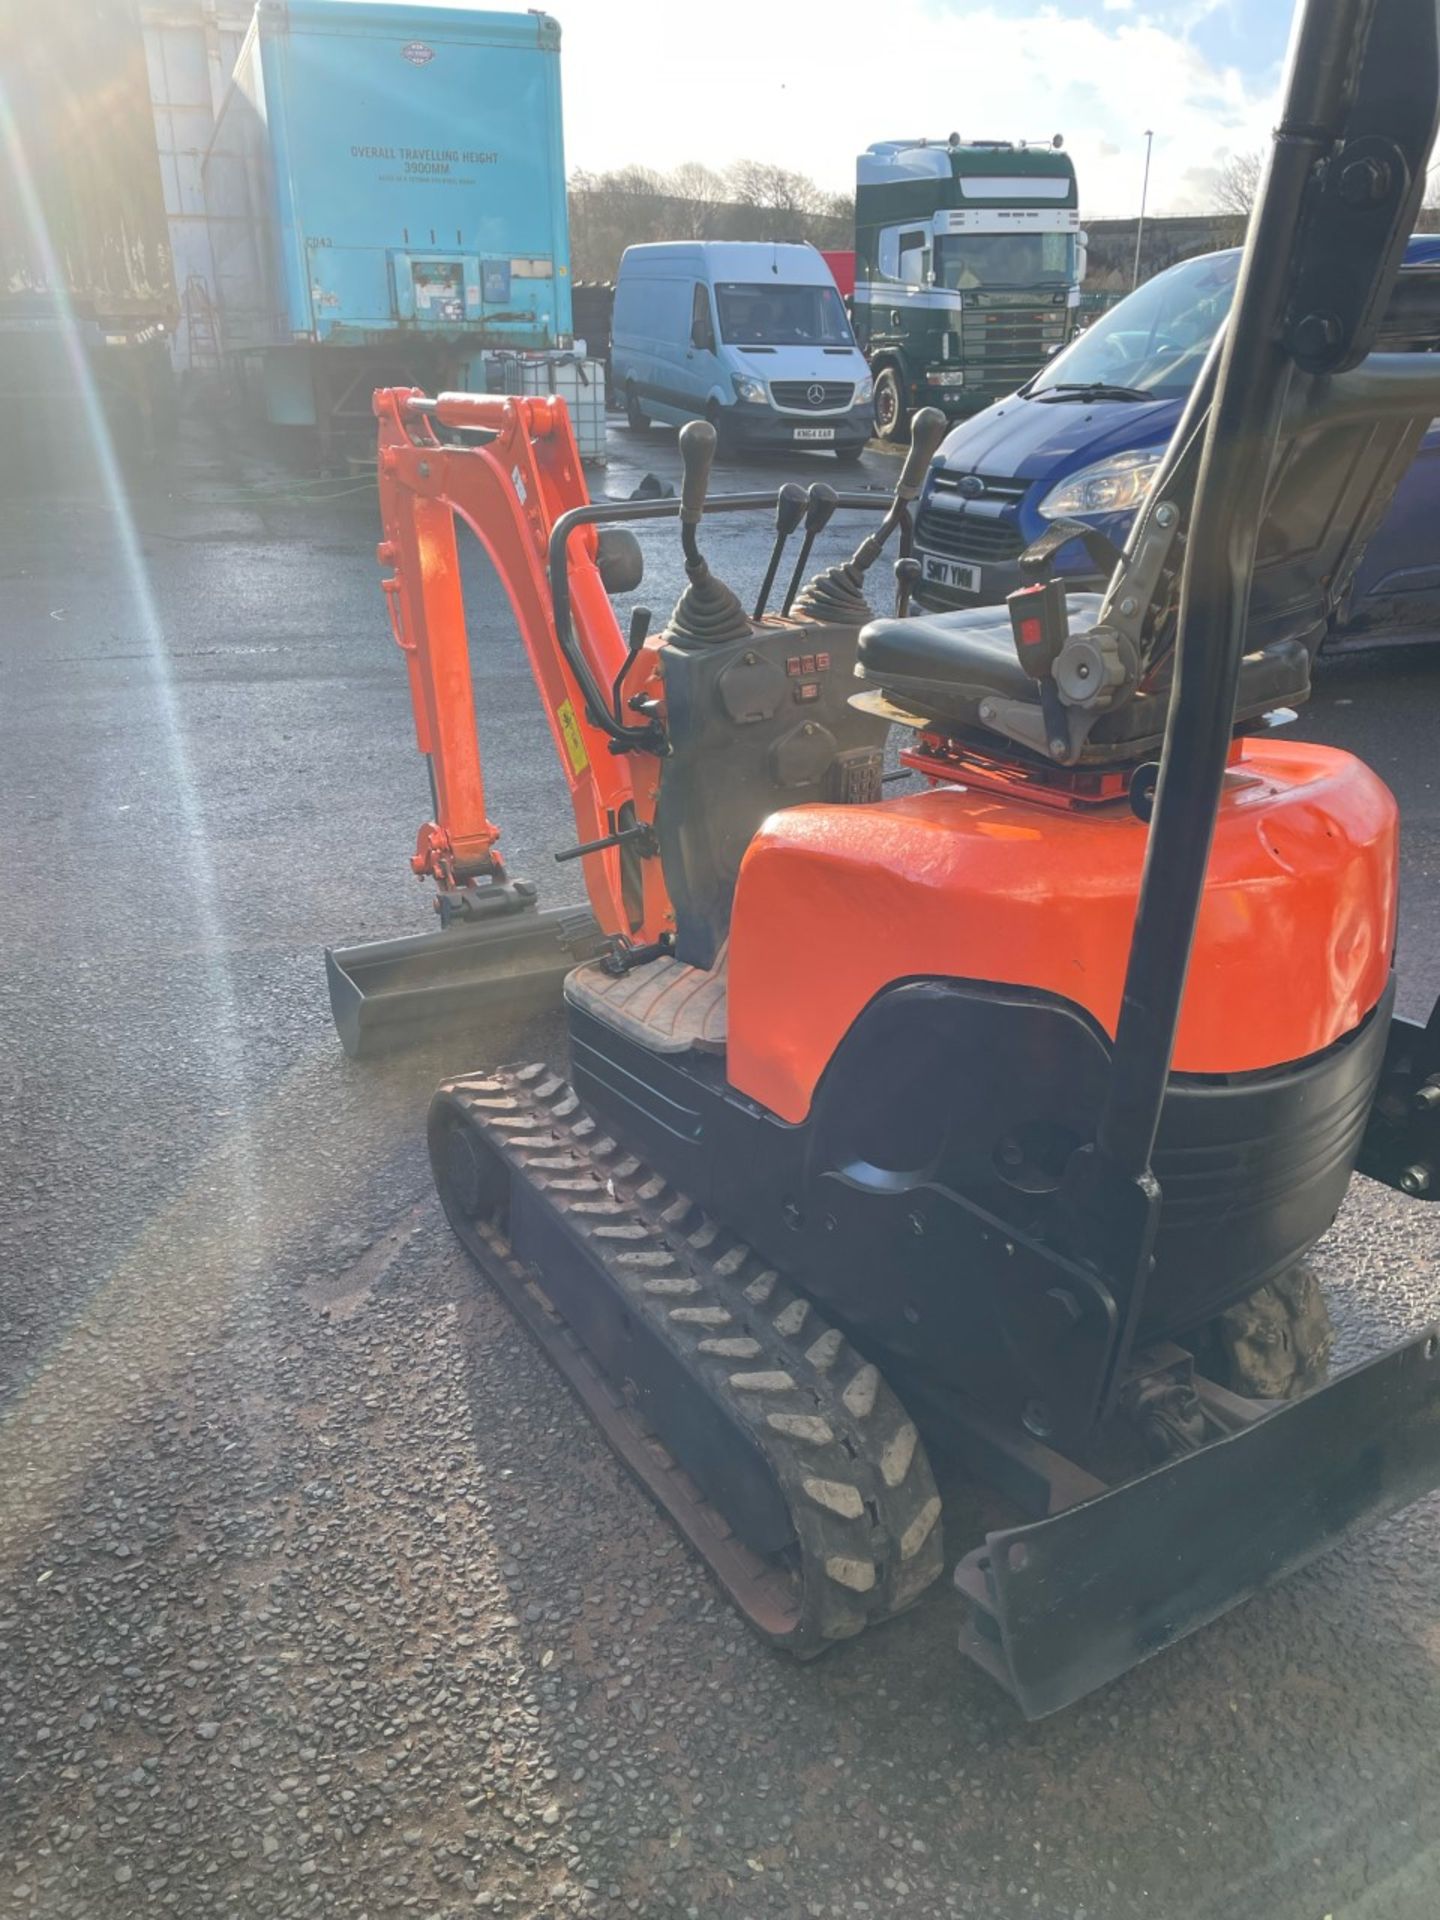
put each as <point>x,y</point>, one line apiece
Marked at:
<point>751,336</point>
<point>1082,440</point>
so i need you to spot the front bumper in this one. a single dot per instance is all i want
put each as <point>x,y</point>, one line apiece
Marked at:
<point>990,537</point>
<point>762,427</point>
<point>998,579</point>
<point>1059,1608</point>
<point>957,403</point>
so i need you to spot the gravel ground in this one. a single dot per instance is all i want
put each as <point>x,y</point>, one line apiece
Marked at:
<point>317,1593</point>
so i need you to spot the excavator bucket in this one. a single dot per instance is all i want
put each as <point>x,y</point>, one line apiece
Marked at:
<point>1066,1604</point>
<point>389,994</point>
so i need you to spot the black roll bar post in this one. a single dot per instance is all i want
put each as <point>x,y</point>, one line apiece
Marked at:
<point>1110,1187</point>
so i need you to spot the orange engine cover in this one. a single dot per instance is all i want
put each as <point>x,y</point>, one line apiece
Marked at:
<point>1294,944</point>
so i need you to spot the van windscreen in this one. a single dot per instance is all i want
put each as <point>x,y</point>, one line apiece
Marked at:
<point>778,316</point>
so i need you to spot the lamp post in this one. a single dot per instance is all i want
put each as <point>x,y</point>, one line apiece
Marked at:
<point>1144,195</point>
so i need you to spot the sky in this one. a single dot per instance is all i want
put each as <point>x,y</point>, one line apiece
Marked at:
<point>808,84</point>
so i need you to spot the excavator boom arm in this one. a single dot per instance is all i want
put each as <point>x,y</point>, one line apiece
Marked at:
<point>509,492</point>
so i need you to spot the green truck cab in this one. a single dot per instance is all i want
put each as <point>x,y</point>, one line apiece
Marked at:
<point>968,262</point>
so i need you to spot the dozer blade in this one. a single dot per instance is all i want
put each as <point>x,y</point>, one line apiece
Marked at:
<point>1062,1606</point>
<point>398,993</point>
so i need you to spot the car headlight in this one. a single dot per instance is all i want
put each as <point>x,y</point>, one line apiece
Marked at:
<point>864,391</point>
<point>955,378</point>
<point>747,387</point>
<point>1116,485</point>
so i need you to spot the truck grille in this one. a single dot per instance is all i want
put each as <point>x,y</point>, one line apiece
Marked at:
<point>1005,341</point>
<point>963,536</point>
<point>813,396</point>
<point>1013,326</point>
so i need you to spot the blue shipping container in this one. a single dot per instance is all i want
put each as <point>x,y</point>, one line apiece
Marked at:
<point>382,170</point>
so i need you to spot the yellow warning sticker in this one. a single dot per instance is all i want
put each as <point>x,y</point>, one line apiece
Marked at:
<point>574,739</point>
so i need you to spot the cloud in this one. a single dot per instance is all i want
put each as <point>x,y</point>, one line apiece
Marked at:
<point>650,81</point>
<point>1119,6</point>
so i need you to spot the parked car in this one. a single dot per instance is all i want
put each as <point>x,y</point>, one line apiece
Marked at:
<point>1082,440</point>
<point>754,338</point>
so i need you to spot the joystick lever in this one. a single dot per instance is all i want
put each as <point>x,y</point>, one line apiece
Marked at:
<point>789,508</point>
<point>820,502</point>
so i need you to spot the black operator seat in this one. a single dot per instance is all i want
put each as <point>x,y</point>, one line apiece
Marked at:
<point>945,667</point>
<point>1331,487</point>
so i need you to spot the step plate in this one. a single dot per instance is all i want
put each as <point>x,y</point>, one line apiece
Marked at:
<point>663,1005</point>
<point>1065,1605</point>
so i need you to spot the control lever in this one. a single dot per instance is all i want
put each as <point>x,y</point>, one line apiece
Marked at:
<point>789,506</point>
<point>641,836</point>
<point>820,502</point>
<point>839,592</point>
<point>639,629</point>
<point>698,440</point>
<point>707,612</point>
<point>907,579</point>
<point>927,430</point>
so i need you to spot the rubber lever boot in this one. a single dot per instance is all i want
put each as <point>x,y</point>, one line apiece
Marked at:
<point>838,593</point>
<point>707,610</point>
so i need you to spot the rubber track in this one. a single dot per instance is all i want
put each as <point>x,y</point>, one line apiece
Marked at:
<point>845,1455</point>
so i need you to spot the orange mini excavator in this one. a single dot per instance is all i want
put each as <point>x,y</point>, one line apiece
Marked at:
<point>994,1119</point>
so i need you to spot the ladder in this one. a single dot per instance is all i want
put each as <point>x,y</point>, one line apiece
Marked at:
<point>202,328</point>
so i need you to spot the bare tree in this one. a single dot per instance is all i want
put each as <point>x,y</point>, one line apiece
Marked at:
<point>697,192</point>
<point>634,183</point>
<point>1237,182</point>
<point>612,211</point>
<point>784,201</point>
<point>753,200</point>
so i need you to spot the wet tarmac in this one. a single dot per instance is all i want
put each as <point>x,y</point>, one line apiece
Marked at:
<point>318,1595</point>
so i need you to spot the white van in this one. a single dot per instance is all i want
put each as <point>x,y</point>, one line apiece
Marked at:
<point>751,336</point>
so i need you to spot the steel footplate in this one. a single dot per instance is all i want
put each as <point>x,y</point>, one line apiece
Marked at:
<point>782,1455</point>
<point>1058,1608</point>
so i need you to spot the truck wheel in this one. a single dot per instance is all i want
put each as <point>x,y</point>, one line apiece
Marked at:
<point>634,418</point>
<point>892,410</point>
